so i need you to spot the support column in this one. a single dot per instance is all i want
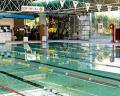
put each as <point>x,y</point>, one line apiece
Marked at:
<point>43,29</point>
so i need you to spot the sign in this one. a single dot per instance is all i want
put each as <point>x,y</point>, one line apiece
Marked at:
<point>100,28</point>
<point>30,57</point>
<point>25,39</point>
<point>32,9</point>
<point>5,28</point>
<point>75,3</point>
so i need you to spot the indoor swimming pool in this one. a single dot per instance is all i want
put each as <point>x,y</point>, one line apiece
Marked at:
<point>60,69</point>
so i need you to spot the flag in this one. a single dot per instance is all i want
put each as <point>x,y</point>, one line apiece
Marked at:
<point>62,2</point>
<point>87,6</point>
<point>99,7</point>
<point>109,7</point>
<point>75,3</point>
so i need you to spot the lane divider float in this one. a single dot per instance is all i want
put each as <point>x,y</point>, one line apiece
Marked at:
<point>11,90</point>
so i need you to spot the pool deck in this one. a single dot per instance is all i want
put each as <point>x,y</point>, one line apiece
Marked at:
<point>99,41</point>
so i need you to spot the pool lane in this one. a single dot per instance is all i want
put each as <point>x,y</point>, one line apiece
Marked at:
<point>68,63</point>
<point>73,85</point>
<point>58,79</point>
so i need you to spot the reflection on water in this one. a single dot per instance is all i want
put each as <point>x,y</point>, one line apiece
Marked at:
<point>51,63</point>
<point>117,51</point>
<point>31,55</point>
<point>107,59</point>
<point>83,56</point>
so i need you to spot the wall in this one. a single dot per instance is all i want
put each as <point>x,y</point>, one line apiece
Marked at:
<point>18,22</point>
<point>7,21</point>
<point>6,36</point>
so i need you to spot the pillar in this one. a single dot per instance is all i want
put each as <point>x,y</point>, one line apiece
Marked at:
<point>43,28</point>
<point>43,31</point>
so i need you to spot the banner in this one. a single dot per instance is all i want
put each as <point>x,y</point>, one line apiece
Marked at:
<point>44,38</point>
<point>75,3</point>
<point>32,9</point>
<point>62,2</point>
<point>99,7</point>
<point>30,57</point>
<point>25,39</point>
<point>87,6</point>
<point>100,28</point>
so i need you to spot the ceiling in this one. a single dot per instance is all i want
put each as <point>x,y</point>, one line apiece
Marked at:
<point>105,1</point>
<point>14,6</point>
<point>54,6</point>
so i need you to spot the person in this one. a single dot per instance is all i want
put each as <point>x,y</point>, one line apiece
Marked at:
<point>17,34</point>
<point>26,31</point>
<point>77,35</point>
<point>33,33</point>
<point>21,33</point>
<point>38,33</point>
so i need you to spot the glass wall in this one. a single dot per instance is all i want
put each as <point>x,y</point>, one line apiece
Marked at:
<point>101,22</point>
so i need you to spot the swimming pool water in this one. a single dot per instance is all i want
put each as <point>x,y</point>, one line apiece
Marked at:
<point>77,69</point>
